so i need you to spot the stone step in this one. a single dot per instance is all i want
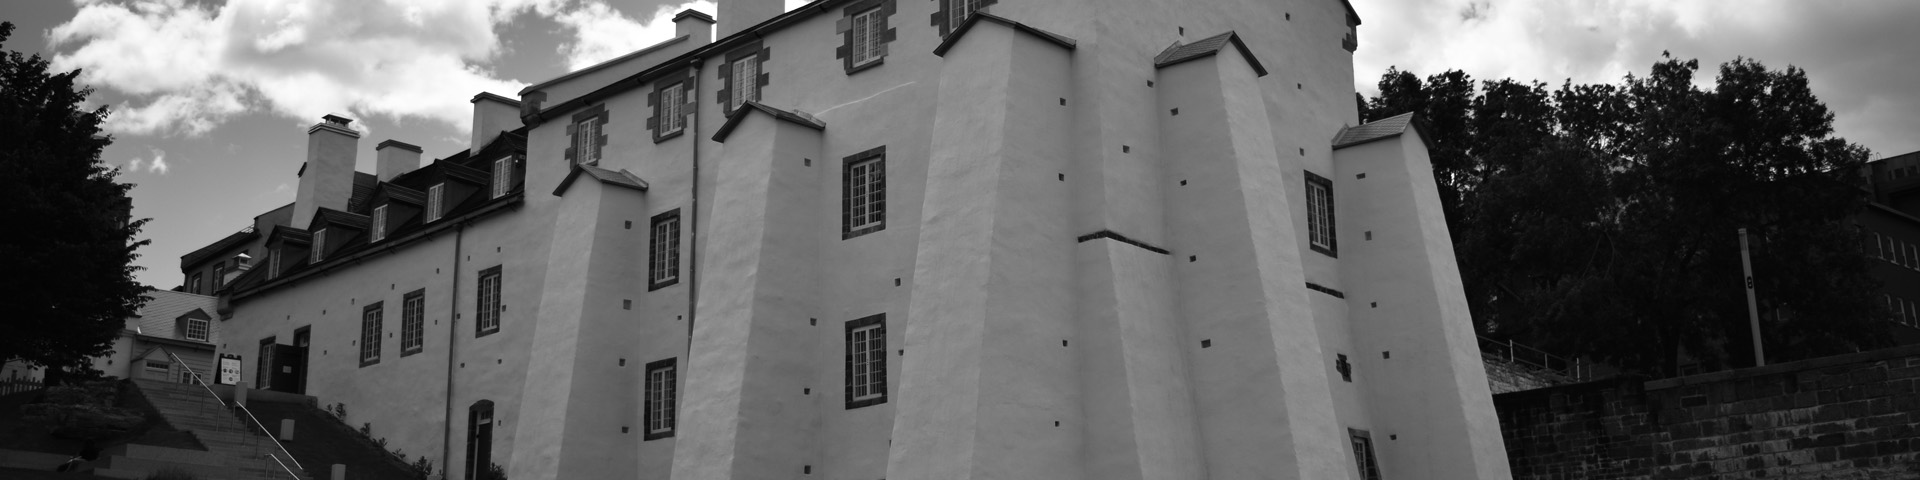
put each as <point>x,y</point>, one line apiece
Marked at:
<point>150,452</point>
<point>150,466</point>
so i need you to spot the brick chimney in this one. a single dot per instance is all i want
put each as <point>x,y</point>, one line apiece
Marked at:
<point>327,179</point>
<point>696,26</point>
<point>738,15</point>
<point>394,158</point>
<point>492,114</point>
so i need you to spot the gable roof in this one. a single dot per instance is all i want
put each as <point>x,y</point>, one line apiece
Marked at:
<point>1373,131</point>
<point>1206,47</point>
<point>739,114</point>
<point>977,17</point>
<point>203,253</point>
<point>399,193</point>
<point>331,217</point>
<point>164,308</point>
<point>621,178</point>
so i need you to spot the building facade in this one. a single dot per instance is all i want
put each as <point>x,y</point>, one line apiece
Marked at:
<point>883,239</point>
<point>1891,226</point>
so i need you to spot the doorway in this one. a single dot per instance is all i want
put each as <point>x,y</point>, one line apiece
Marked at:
<point>479,439</point>
<point>302,338</point>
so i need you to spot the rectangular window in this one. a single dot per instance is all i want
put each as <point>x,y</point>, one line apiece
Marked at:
<point>379,226</point>
<point>671,106</point>
<point>197,329</point>
<point>1320,236</point>
<point>502,176</point>
<point>1886,248</point>
<point>866,36</point>
<point>863,203</point>
<point>273,263</point>
<point>413,311</point>
<point>745,82</point>
<point>489,308</point>
<point>663,252</point>
<point>1363,458</point>
<point>586,140</point>
<point>219,276</point>
<point>961,9</point>
<point>434,194</point>
<point>1876,246</point>
<point>193,283</point>
<point>661,382</point>
<point>319,246</point>
<point>370,327</point>
<point>158,367</point>
<point>867,361</point>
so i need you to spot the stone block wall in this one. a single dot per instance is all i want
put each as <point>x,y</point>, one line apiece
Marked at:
<point>1853,416</point>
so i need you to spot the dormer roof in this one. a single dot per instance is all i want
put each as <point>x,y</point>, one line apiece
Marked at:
<point>1206,47</point>
<point>740,114</point>
<point>622,178</point>
<point>977,17</point>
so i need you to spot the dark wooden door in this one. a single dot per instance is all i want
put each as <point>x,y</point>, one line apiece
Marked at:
<point>479,440</point>
<point>302,339</point>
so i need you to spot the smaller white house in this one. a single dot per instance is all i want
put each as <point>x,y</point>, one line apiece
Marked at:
<point>170,325</point>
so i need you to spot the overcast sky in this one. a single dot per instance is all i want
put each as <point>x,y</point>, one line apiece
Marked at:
<point>213,98</point>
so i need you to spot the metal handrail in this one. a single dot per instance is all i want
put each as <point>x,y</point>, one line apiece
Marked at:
<point>1574,369</point>
<point>283,465</point>
<point>243,409</point>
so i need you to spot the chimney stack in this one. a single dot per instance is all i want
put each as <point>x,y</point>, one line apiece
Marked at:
<point>492,114</point>
<point>738,15</point>
<point>394,158</point>
<point>696,26</point>
<point>327,179</point>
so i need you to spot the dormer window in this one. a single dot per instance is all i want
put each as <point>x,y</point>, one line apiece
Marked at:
<point>379,226</point>
<point>196,328</point>
<point>502,176</point>
<point>273,264</point>
<point>319,246</point>
<point>433,200</point>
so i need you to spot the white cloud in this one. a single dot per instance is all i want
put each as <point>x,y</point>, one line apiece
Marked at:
<point>157,165</point>
<point>190,67</point>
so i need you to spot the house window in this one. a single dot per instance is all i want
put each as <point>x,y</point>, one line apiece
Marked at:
<point>197,329</point>
<point>273,263</point>
<point>370,335</point>
<point>1363,457</point>
<point>502,176</point>
<point>319,245</point>
<point>413,311</point>
<point>379,223</point>
<point>743,81</point>
<point>1876,246</point>
<point>586,144</point>
<point>661,382</point>
<point>954,12</point>
<point>867,361</point>
<point>670,109</point>
<point>193,283</point>
<point>219,276</point>
<point>434,194</point>
<point>158,367</point>
<point>864,34</point>
<point>1320,215</point>
<point>663,252</point>
<point>489,307</point>
<point>863,188</point>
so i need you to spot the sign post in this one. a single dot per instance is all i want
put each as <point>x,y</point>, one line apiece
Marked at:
<point>1753,308</point>
<point>229,369</point>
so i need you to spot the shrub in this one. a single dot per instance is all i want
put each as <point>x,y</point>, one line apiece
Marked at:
<point>83,411</point>
<point>494,472</point>
<point>423,467</point>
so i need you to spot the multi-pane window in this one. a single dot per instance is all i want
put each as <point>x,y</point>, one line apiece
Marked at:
<point>1363,457</point>
<point>379,223</point>
<point>1320,215</point>
<point>586,140</point>
<point>661,382</point>
<point>961,9</point>
<point>867,361</point>
<point>434,194</point>
<point>489,298</point>
<point>744,83</point>
<point>370,327</point>
<point>502,176</point>
<point>197,329</point>
<point>193,283</point>
<point>413,311</point>
<point>319,246</point>
<point>863,204</point>
<point>1876,246</point>
<point>672,116</point>
<point>663,251</point>
<point>866,36</point>
<point>219,276</point>
<point>273,263</point>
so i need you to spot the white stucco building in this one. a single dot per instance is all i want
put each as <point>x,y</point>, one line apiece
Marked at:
<point>902,239</point>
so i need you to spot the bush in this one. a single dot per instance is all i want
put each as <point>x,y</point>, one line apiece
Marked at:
<point>171,474</point>
<point>83,411</point>
<point>423,467</point>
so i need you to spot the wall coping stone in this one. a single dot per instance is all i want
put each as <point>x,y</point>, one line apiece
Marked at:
<point>1779,368</point>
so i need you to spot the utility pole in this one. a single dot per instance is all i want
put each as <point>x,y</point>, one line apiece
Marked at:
<point>1753,308</point>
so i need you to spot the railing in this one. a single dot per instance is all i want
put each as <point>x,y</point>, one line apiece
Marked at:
<point>1515,353</point>
<point>249,415</point>
<point>17,385</point>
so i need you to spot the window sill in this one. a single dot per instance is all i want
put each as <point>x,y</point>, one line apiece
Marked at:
<point>364,363</point>
<point>1324,251</point>
<point>848,235</point>
<point>487,332</point>
<point>859,68</point>
<point>663,284</point>
<point>866,403</point>
<point>656,436</point>
<point>407,353</point>
<point>676,133</point>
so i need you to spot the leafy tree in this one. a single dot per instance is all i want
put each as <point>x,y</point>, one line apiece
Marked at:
<point>69,283</point>
<point>1601,220</point>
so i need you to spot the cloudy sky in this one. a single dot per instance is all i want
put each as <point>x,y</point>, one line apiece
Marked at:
<point>213,97</point>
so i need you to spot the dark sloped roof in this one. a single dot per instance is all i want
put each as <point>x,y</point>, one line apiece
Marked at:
<point>236,239</point>
<point>621,178</point>
<point>400,193</point>
<point>363,184</point>
<point>739,114</point>
<point>465,174</point>
<point>286,233</point>
<point>977,17</point>
<point>1376,130</point>
<point>331,217</point>
<point>1206,47</point>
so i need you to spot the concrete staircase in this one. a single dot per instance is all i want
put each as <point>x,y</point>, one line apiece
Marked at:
<point>234,451</point>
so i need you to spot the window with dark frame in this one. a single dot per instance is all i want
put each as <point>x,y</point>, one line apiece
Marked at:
<point>193,283</point>
<point>370,327</point>
<point>864,34</point>
<point>660,407</point>
<point>742,77</point>
<point>863,189</point>
<point>219,277</point>
<point>489,309</point>
<point>587,136</point>
<point>503,175</point>
<point>663,251</point>
<point>1320,229</point>
<point>197,328</point>
<point>319,246</point>
<point>954,12</point>
<point>379,227</point>
<point>671,108</point>
<point>1363,456</point>
<point>273,263</point>
<point>434,195</point>
<point>413,309</point>
<point>866,346</point>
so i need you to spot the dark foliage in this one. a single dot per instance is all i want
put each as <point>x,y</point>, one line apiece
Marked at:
<point>1600,220</point>
<point>83,411</point>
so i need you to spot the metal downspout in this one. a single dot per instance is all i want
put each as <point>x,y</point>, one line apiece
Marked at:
<point>693,215</point>
<point>453,333</point>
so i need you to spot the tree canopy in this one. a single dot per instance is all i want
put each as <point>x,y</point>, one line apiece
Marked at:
<point>1600,219</point>
<point>68,283</point>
